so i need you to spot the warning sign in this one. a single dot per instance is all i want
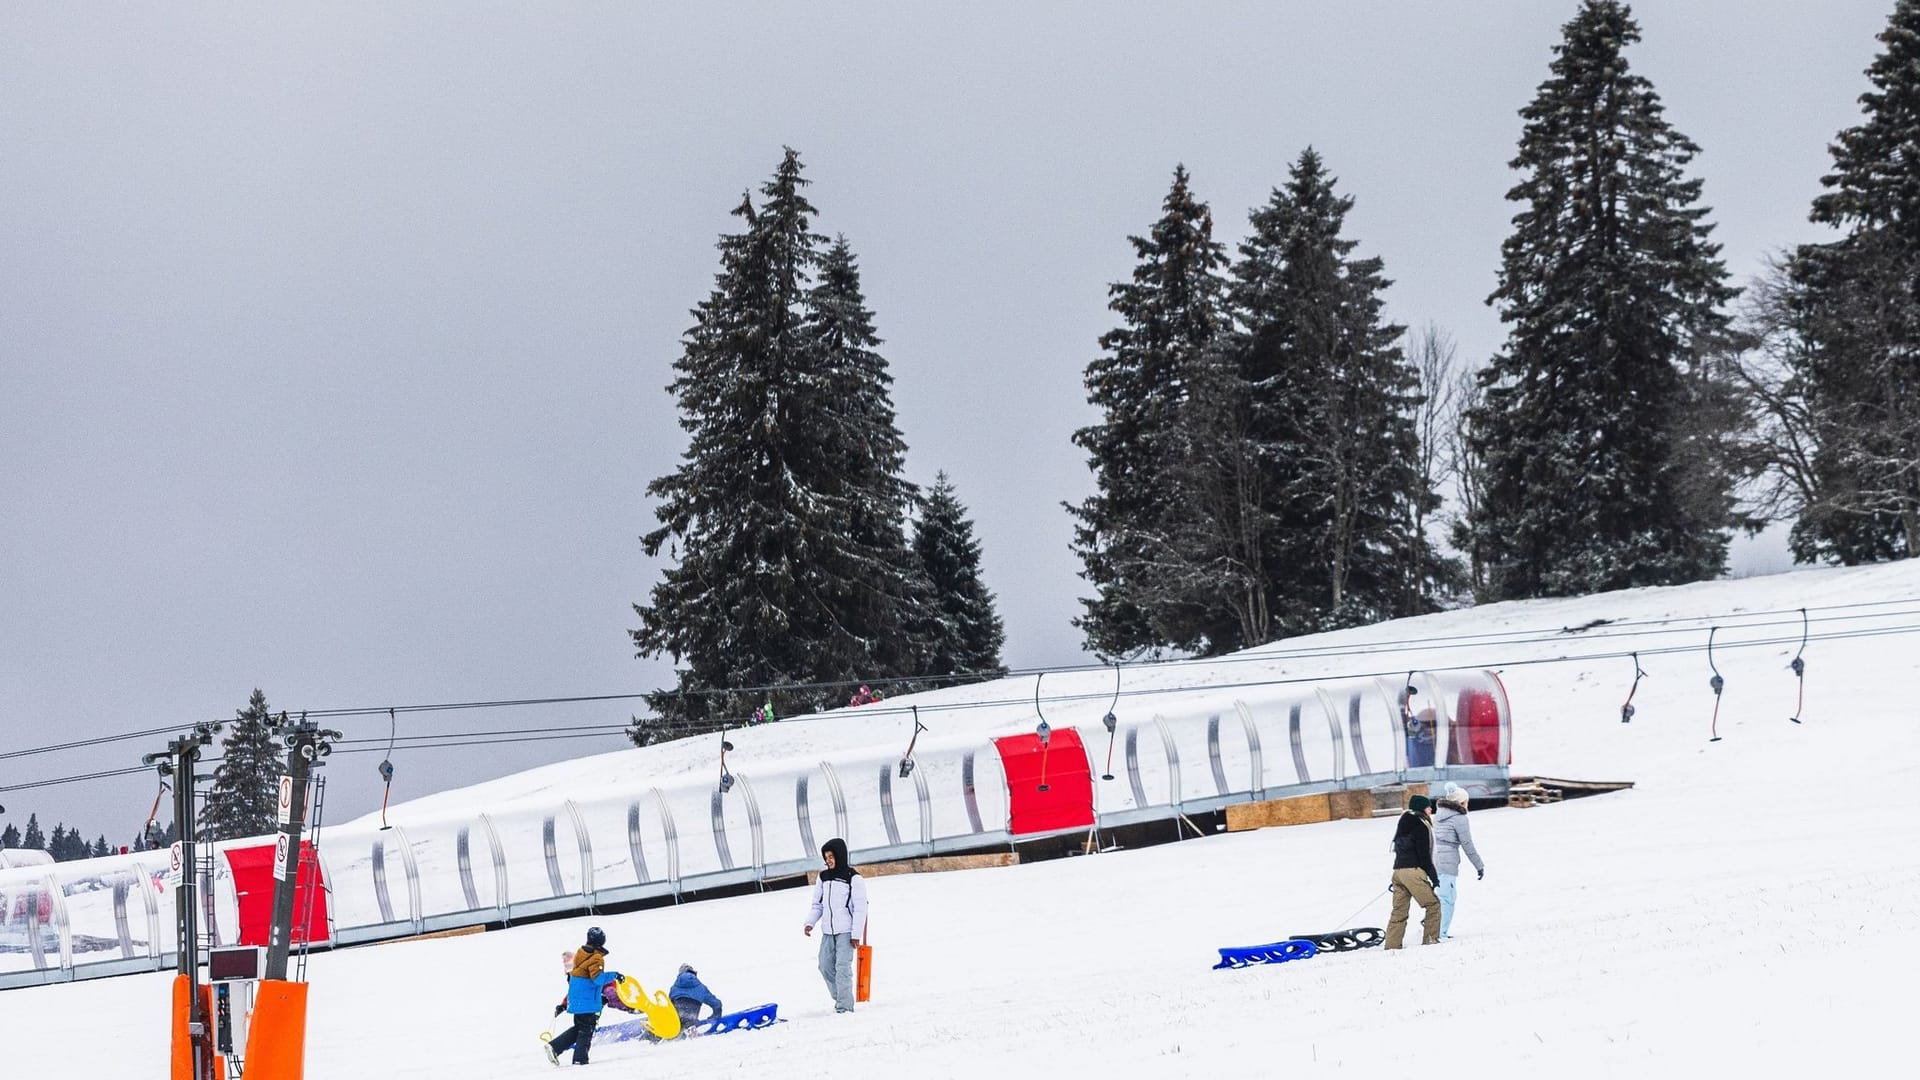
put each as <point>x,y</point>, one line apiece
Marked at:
<point>280,858</point>
<point>286,800</point>
<point>173,864</point>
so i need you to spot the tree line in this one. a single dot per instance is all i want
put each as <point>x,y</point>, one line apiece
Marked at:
<point>1275,457</point>
<point>1272,452</point>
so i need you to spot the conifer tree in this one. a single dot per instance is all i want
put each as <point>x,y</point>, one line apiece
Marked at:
<point>1613,296</point>
<point>100,848</point>
<point>785,520</point>
<point>1170,316</point>
<point>885,599</point>
<point>57,843</point>
<point>1855,311</point>
<point>9,837</point>
<point>969,633</point>
<point>1332,401</point>
<point>246,783</point>
<point>34,839</point>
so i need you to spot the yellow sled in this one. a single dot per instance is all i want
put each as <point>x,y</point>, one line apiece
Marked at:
<point>661,1016</point>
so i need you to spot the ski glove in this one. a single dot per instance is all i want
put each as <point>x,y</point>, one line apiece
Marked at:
<point>560,1008</point>
<point>1480,874</point>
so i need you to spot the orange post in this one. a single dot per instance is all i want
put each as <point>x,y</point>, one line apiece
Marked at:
<point>182,1059</point>
<point>863,972</point>
<point>277,1036</point>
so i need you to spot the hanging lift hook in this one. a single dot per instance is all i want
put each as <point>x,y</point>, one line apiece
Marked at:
<point>1044,730</point>
<point>1112,721</point>
<point>386,766</point>
<point>1717,682</point>
<point>1799,667</point>
<point>1626,707</point>
<point>726,778</point>
<point>906,760</point>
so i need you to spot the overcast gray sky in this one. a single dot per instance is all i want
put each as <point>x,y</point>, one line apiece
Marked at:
<point>334,339</point>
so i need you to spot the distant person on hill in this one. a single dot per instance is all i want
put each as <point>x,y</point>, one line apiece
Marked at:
<point>1414,877</point>
<point>840,911</point>
<point>866,695</point>
<point>586,981</point>
<point>1451,836</point>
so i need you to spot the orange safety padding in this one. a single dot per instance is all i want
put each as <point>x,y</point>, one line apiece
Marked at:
<point>1068,801</point>
<point>253,890</point>
<point>182,1058</point>
<point>863,972</point>
<point>277,1039</point>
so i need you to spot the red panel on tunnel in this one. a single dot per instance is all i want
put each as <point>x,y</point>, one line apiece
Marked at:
<point>253,888</point>
<point>1062,765</point>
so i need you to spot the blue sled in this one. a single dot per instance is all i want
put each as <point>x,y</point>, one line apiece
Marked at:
<point>757,1017</point>
<point>1277,953</point>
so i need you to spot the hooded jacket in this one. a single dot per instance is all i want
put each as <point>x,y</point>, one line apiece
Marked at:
<point>1413,844</point>
<point>688,987</point>
<point>839,896</point>
<point>584,980</point>
<point>1452,835</point>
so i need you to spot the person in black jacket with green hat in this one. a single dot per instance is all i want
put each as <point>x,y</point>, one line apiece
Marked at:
<point>1414,877</point>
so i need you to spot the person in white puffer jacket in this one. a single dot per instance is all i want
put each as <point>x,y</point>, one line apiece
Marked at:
<point>840,911</point>
<point>1451,836</point>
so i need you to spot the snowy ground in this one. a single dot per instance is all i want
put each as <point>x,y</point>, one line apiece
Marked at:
<point>1749,906</point>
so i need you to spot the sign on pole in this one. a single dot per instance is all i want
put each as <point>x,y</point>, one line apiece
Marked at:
<point>280,858</point>
<point>173,864</point>
<point>286,799</point>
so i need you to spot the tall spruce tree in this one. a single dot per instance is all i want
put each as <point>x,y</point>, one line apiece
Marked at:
<point>1854,307</point>
<point>1613,297</point>
<point>1170,316</point>
<point>862,455</point>
<point>33,838</point>
<point>57,842</point>
<point>969,633</point>
<point>1332,403</point>
<point>246,783</point>
<point>785,519</point>
<point>10,837</point>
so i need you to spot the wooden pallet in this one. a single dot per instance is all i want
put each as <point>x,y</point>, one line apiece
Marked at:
<point>1526,795</point>
<point>1538,790</point>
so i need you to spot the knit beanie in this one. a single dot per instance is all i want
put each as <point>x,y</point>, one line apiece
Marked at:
<point>1419,803</point>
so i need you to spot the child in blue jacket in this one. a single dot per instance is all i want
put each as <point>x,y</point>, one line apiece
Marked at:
<point>586,981</point>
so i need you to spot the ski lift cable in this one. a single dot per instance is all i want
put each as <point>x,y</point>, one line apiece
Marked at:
<point>1322,652</point>
<point>492,738</point>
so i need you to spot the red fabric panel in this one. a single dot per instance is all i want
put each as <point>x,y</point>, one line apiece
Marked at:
<point>253,886</point>
<point>1477,721</point>
<point>1068,801</point>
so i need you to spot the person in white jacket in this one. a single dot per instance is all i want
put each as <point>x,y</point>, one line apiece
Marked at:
<point>1451,837</point>
<point>840,911</point>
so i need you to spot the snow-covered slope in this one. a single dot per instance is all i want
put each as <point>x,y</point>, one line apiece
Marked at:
<point>1749,905</point>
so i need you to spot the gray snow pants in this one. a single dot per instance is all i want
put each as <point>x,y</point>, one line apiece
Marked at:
<point>836,966</point>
